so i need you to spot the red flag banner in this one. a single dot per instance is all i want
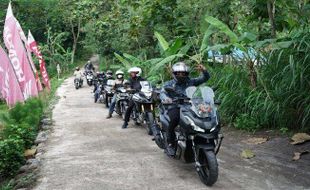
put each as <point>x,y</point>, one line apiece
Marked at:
<point>35,49</point>
<point>18,56</point>
<point>9,86</point>
<point>24,39</point>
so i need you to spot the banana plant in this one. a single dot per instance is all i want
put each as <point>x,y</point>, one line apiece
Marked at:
<point>246,43</point>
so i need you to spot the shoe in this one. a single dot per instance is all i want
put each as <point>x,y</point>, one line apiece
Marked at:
<point>125,125</point>
<point>109,116</point>
<point>170,150</point>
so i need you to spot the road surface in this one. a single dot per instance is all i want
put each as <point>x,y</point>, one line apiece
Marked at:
<point>87,151</point>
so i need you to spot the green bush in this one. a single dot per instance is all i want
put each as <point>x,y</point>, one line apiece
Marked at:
<point>29,113</point>
<point>11,156</point>
<point>22,131</point>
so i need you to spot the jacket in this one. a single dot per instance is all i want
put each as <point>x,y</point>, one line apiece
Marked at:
<point>135,83</point>
<point>181,87</point>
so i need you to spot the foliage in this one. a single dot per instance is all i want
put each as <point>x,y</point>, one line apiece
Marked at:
<point>11,156</point>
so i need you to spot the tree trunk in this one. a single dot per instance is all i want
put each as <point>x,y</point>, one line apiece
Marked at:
<point>75,36</point>
<point>253,75</point>
<point>271,13</point>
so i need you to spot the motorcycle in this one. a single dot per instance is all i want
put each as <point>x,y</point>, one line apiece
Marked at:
<point>78,83</point>
<point>122,98</point>
<point>108,92</point>
<point>89,78</point>
<point>143,111</point>
<point>198,137</point>
<point>98,90</point>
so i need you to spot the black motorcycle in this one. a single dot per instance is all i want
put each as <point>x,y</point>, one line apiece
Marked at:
<point>122,98</point>
<point>108,92</point>
<point>198,137</point>
<point>143,111</point>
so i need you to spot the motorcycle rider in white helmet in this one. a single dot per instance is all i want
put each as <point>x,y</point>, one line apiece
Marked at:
<point>134,84</point>
<point>119,82</point>
<point>180,82</point>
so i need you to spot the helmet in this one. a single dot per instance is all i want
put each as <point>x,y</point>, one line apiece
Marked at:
<point>136,70</point>
<point>180,71</point>
<point>88,62</point>
<point>109,72</point>
<point>77,68</point>
<point>119,74</point>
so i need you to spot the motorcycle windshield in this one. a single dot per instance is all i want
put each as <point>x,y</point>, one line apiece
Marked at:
<point>110,82</point>
<point>202,99</point>
<point>146,88</point>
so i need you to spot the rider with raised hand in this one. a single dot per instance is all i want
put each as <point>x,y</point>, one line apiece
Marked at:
<point>134,84</point>
<point>119,82</point>
<point>180,82</point>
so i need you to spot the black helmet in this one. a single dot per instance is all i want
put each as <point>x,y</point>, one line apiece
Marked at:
<point>180,71</point>
<point>109,72</point>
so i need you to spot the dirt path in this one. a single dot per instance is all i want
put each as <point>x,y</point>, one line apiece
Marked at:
<point>87,151</point>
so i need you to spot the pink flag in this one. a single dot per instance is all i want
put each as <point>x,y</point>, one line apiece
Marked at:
<point>9,86</point>
<point>18,56</point>
<point>35,49</point>
<point>33,67</point>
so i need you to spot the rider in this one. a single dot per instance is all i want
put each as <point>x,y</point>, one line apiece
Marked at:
<point>108,76</point>
<point>180,82</point>
<point>78,74</point>
<point>89,66</point>
<point>118,83</point>
<point>134,84</point>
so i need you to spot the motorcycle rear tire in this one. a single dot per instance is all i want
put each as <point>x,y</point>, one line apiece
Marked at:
<point>208,172</point>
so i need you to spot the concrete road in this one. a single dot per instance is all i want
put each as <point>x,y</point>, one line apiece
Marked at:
<point>87,151</point>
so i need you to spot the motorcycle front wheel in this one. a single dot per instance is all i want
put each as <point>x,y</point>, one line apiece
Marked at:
<point>106,101</point>
<point>149,122</point>
<point>208,171</point>
<point>89,83</point>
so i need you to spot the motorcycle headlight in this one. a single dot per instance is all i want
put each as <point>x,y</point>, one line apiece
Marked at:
<point>194,126</point>
<point>213,128</point>
<point>148,94</point>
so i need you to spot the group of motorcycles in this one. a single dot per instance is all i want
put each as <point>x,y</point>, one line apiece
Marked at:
<point>198,137</point>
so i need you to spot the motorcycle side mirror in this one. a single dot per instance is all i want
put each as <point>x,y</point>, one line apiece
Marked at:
<point>214,88</point>
<point>159,82</point>
<point>217,102</point>
<point>169,89</point>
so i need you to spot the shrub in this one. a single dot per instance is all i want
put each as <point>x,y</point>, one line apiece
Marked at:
<point>11,156</point>
<point>23,131</point>
<point>29,113</point>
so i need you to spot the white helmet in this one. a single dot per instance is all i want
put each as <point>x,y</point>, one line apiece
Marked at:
<point>136,70</point>
<point>119,74</point>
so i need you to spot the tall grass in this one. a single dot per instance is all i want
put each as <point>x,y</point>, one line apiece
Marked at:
<point>282,96</point>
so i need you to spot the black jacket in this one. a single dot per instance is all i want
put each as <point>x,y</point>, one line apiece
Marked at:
<point>135,83</point>
<point>181,87</point>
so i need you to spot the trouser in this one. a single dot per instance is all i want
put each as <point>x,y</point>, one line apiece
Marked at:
<point>113,103</point>
<point>174,115</point>
<point>131,104</point>
<point>97,94</point>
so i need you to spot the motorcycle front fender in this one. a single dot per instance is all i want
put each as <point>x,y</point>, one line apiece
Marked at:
<point>205,147</point>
